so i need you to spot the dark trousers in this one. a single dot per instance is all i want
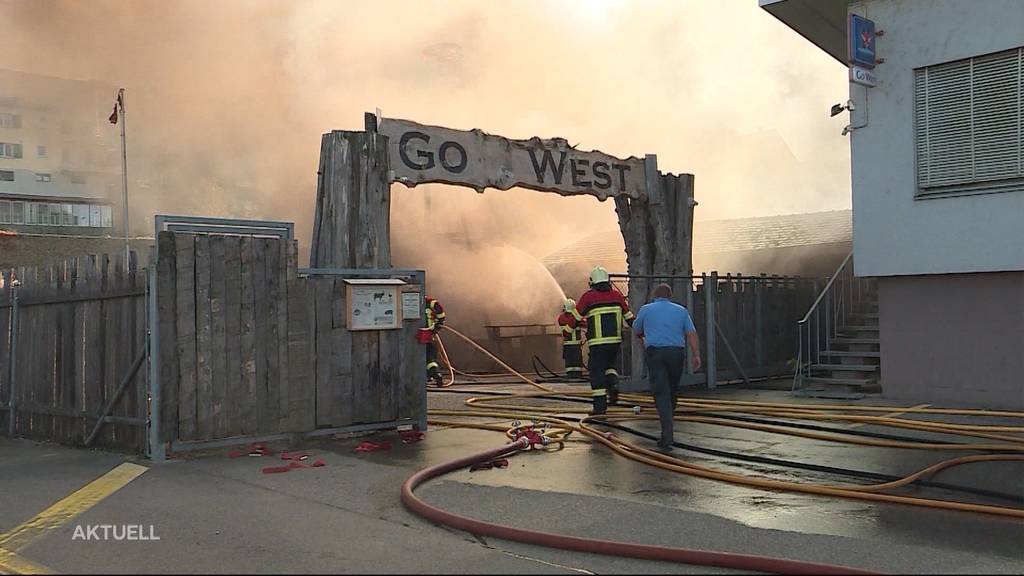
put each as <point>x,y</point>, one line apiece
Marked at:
<point>432,368</point>
<point>572,354</point>
<point>665,367</point>
<point>604,376</point>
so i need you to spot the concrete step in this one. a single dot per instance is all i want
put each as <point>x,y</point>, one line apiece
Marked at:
<point>851,354</point>
<point>846,340</point>
<point>859,332</point>
<point>849,382</point>
<point>865,315</point>
<point>847,367</point>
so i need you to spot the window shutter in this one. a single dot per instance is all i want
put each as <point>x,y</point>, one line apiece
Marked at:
<point>968,117</point>
<point>949,124</point>
<point>996,116</point>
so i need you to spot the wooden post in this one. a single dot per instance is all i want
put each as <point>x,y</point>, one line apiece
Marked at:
<point>710,366</point>
<point>352,224</point>
<point>657,232</point>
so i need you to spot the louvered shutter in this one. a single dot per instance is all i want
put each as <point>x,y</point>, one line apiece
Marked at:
<point>967,124</point>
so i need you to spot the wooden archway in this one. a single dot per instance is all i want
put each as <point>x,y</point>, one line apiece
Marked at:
<point>352,227</point>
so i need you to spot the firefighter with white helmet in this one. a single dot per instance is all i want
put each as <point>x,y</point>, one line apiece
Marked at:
<point>571,325</point>
<point>603,309</point>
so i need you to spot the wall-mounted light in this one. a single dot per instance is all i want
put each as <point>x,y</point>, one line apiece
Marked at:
<point>838,108</point>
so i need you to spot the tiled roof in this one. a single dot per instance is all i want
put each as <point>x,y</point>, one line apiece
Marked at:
<point>716,236</point>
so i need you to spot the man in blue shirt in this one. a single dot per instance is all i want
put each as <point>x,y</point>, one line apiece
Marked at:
<point>665,328</point>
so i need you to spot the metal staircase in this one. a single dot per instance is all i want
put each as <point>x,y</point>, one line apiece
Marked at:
<point>839,353</point>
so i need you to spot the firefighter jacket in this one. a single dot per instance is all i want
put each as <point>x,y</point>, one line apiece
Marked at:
<point>435,313</point>
<point>572,330</point>
<point>604,309</point>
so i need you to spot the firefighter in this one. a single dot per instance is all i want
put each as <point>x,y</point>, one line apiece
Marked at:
<point>572,339</point>
<point>435,321</point>
<point>603,309</point>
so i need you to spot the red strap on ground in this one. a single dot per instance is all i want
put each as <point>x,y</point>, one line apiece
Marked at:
<point>295,455</point>
<point>373,446</point>
<point>410,436</point>
<point>499,463</point>
<point>260,449</point>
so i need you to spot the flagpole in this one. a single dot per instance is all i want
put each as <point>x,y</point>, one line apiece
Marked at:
<point>124,178</point>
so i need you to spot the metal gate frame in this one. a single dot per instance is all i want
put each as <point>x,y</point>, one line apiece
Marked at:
<point>157,450</point>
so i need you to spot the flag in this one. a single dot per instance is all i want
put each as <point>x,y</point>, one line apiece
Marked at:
<point>118,102</point>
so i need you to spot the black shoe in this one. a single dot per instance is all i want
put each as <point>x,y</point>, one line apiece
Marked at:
<point>437,380</point>
<point>596,412</point>
<point>665,447</point>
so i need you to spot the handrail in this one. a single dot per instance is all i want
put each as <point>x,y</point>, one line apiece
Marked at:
<point>825,290</point>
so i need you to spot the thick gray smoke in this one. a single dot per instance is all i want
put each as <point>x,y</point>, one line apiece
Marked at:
<point>227,100</point>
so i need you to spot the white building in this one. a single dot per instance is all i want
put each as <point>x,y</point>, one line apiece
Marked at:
<point>59,156</point>
<point>938,187</point>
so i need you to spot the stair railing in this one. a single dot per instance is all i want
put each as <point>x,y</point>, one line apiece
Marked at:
<point>827,316</point>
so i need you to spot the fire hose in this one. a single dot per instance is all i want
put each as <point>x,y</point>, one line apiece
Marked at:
<point>718,412</point>
<point>591,545</point>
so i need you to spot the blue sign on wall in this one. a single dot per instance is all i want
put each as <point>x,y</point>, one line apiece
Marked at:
<point>862,41</point>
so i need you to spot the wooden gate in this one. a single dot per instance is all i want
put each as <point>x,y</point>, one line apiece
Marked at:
<point>250,348</point>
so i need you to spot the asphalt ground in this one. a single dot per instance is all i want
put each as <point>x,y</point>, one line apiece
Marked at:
<point>218,514</point>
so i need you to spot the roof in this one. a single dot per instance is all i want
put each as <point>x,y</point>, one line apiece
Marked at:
<point>823,22</point>
<point>721,236</point>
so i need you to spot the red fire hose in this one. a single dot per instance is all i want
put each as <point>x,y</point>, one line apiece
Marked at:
<point>590,545</point>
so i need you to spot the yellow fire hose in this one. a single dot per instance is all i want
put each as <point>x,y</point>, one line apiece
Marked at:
<point>498,407</point>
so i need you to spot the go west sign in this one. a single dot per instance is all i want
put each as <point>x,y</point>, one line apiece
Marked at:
<point>420,154</point>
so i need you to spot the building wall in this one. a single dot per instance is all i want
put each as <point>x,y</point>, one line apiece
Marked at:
<point>69,150</point>
<point>894,233</point>
<point>18,250</point>
<point>954,339</point>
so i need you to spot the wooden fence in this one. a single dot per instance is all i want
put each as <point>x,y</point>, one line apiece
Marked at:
<point>361,377</point>
<point>755,317</point>
<point>249,348</point>
<point>72,335</point>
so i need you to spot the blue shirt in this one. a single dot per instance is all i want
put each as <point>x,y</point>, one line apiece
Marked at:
<point>663,323</point>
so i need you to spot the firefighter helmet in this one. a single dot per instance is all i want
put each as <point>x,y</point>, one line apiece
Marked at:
<point>598,275</point>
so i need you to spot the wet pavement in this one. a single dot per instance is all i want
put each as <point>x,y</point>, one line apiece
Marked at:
<point>218,514</point>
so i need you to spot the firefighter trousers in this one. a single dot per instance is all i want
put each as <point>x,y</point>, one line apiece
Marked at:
<point>572,354</point>
<point>604,376</point>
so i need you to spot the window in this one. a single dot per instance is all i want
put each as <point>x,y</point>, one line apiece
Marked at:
<point>6,175</point>
<point>41,151</point>
<point>43,177</point>
<point>8,150</point>
<point>10,120</point>
<point>67,212</point>
<point>968,125</point>
<point>35,213</point>
<point>81,214</point>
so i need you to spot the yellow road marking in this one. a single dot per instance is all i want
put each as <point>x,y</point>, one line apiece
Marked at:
<point>11,563</point>
<point>900,413</point>
<point>70,506</point>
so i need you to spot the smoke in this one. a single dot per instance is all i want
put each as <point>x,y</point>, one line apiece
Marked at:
<point>227,100</point>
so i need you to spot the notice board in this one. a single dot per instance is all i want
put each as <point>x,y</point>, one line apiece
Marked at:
<point>373,303</point>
